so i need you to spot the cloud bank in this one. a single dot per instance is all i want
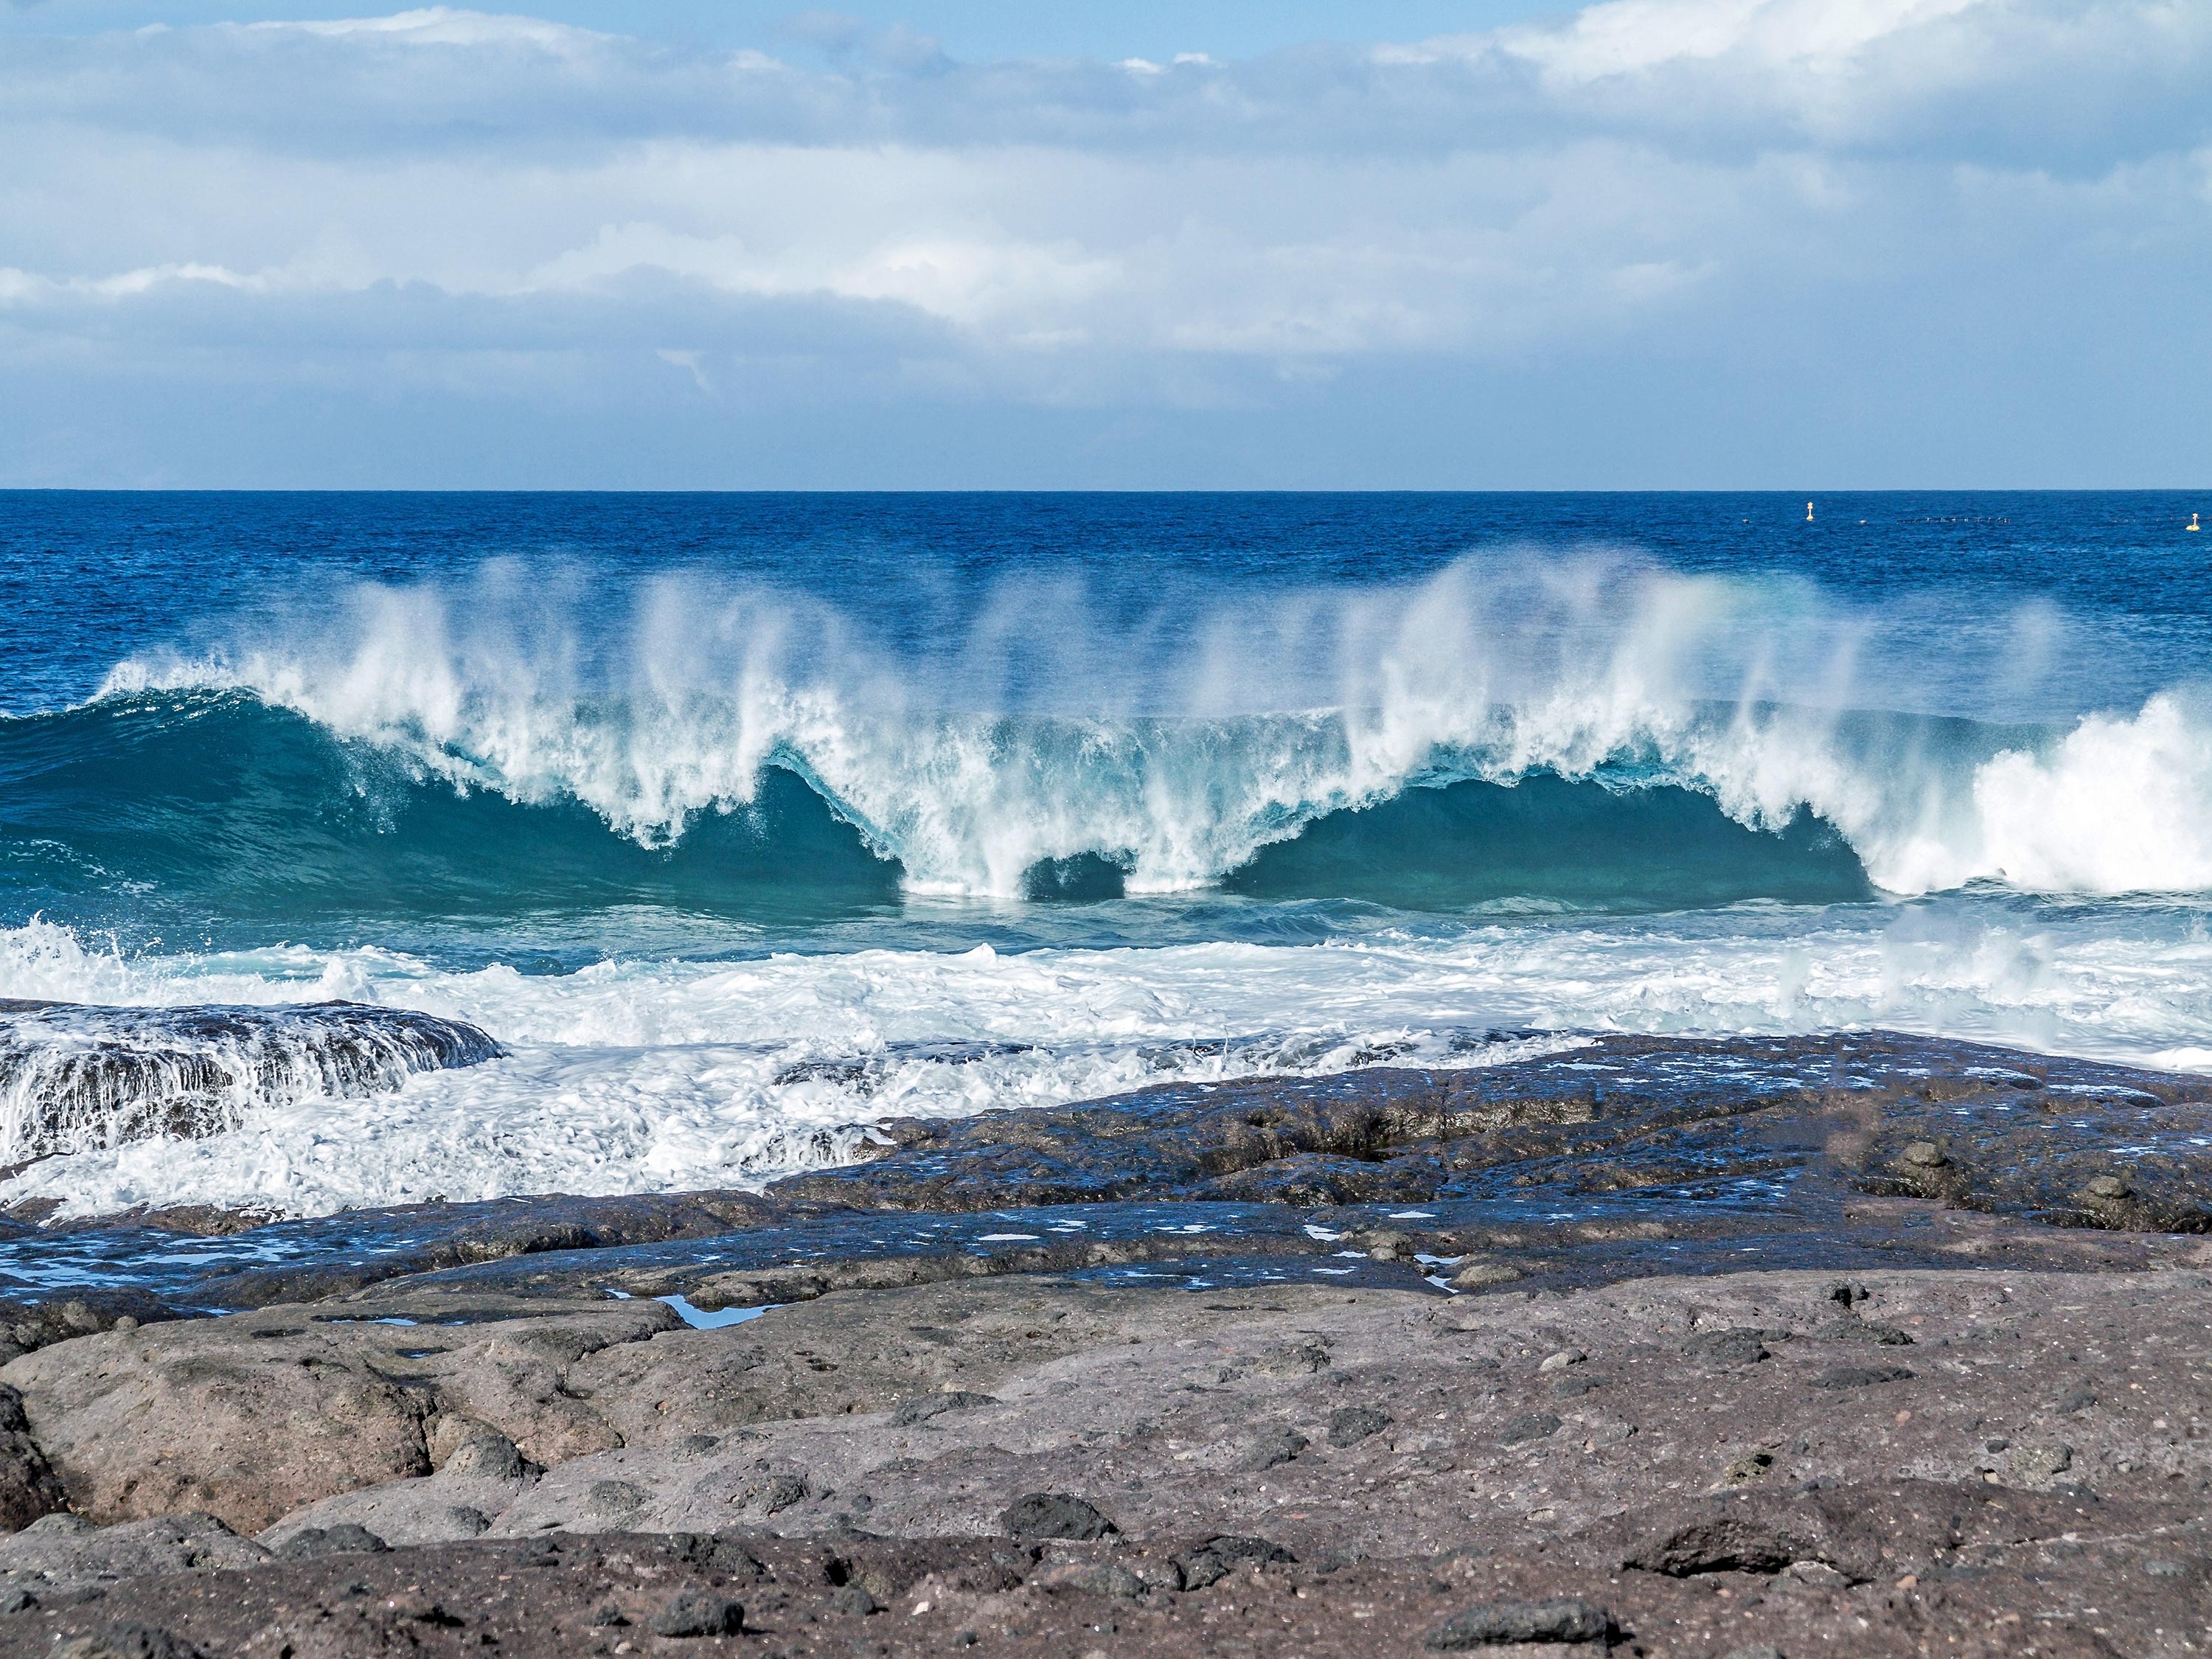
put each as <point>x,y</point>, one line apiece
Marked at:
<point>1693,242</point>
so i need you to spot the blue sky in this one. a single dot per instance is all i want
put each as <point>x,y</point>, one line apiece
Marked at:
<point>1799,244</point>
<point>970,30</point>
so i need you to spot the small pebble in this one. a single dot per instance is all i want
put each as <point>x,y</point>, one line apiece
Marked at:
<point>1818,1574</point>
<point>1272,1451</point>
<point>1055,1514</point>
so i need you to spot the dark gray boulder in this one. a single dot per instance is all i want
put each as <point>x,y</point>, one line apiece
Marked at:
<point>1055,1515</point>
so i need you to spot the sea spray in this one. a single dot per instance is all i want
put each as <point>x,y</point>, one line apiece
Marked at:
<point>1203,738</point>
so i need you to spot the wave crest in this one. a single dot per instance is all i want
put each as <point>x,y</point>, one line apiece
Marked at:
<point>1177,745</point>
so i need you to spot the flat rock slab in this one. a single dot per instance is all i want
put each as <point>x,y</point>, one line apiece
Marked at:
<point>250,1417</point>
<point>870,1352</point>
<point>2039,1479</point>
<point>1965,1382</point>
<point>63,1554</point>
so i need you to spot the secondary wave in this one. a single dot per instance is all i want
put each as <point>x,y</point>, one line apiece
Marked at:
<point>74,1078</point>
<point>1048,744</point>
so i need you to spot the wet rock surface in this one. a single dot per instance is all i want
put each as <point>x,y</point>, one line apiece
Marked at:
<point>178,1263</point>
<point>1620,1155</point>
<point>1974,1126</point>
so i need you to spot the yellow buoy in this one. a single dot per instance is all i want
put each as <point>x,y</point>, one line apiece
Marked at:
<point>1809,512</point>
<point>2193,525</point>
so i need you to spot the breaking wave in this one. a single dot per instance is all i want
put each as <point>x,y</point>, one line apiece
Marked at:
<point>1594,731</point>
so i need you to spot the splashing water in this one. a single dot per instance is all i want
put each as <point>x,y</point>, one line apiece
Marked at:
<point>1207,737</point>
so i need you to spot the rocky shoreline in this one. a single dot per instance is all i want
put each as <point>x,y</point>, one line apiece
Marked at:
<point>1866,1345</point>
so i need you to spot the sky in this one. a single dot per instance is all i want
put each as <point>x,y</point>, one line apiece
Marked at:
<point>1487,244</point>
<point>970,30</point>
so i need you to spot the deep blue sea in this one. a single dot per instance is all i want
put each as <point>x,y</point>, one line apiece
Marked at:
<point>742,822</point>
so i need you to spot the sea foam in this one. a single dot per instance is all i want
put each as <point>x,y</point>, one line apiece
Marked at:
<point>643,1074</point>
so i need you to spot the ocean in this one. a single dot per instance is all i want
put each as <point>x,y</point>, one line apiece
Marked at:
<point>741,823</point>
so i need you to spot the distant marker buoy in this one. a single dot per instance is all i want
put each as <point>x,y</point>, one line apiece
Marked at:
<point>2193,525</point>
<point>1809,512</point>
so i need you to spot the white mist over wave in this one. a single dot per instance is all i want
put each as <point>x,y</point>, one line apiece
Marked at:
<point>633,1076</point>
<point>1179,743</point>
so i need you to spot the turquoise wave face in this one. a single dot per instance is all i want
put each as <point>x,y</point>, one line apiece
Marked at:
<point>204,816</point>
<point>1045,748</point>
<point>1548,840</point>
<point>214,814</point>
<point>1543,842</point>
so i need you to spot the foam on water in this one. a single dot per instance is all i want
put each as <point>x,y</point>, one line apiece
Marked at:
<point>665,1075</point>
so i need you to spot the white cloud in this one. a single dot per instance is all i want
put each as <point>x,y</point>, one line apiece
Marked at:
<point>970,280</point>
<point>23,287</point>
<point>1770,37</point>
<point>358,203</point>
<point>1840,71</point>
<point>443,26</point>
<point>2030,81</point>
